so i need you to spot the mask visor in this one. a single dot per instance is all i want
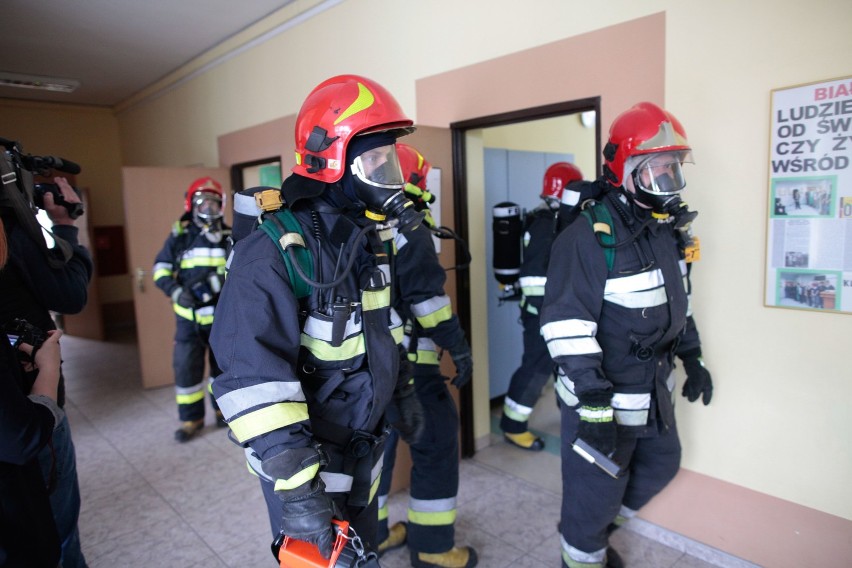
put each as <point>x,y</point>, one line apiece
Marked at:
<point>379,167</point>
<point>662,174</point>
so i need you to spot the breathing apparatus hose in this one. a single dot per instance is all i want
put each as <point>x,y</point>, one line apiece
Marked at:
<point>447,233</point>
<point>343,274</point>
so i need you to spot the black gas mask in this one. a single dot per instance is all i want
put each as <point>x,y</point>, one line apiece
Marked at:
<point>374,178</point>
<point>658,181</point>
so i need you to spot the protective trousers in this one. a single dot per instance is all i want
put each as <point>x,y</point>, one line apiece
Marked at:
<point>191,343</point>
<point>591,499</point>
<point>434,471</point>
<point>525,387</point>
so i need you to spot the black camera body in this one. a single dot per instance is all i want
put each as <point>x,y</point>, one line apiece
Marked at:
<point>40,189</point>
<point>21,331</point>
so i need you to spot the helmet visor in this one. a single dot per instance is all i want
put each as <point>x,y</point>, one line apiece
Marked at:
<point>207,206</point>
<point>662,174</point>
<point>379,167</point>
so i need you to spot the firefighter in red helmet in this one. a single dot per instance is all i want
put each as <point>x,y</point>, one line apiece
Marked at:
<point>616,314</point>
<point>190,269</point>
<point>310,347</point>
<point>431,327</point>
<point>541,227</point>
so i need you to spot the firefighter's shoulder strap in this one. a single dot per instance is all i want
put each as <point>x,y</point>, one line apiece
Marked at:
<point>282,227</point>
<point>600,218</point>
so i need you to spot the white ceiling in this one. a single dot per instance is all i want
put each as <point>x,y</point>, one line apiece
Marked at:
<point>114,48</point>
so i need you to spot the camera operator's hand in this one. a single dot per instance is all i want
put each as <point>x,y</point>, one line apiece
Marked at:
<point>58,213</point>
<point>47,359</point>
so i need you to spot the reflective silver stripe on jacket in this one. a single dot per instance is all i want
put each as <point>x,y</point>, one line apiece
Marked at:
<point>533,285</point>
<point>240,400</point>
<point>643,290</point>
<point>342,483</point>
<point>630,409</point>
<point>571,337</point>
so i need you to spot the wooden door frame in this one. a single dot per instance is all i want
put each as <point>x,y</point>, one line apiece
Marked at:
<point>460,208</point>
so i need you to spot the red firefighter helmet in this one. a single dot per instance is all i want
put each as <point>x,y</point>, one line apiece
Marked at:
<point>643,129</point>
<point>336,110</point>
<point>556,177</point>
<point>202,185</point>
<point>414,166</point>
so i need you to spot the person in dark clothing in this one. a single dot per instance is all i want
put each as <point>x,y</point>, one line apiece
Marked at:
<point>36,281</point>
<point>28,536</point>
<point>308,343</point>
<point>614,322</point>
<point>431,325</point>
<point>542,226</point>
<point>190,269</point>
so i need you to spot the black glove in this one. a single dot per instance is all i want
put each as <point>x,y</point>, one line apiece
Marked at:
<point>597,423</point>
<point>698,381</point>
<point>308,517</point>
<point>462,359</point>
<point>405,413</point>
<point>183,297</point>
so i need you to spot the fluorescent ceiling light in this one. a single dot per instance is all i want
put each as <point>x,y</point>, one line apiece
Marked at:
<point>38,82</point>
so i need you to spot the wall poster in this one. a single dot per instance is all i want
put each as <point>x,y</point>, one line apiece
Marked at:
<point>809,241</point>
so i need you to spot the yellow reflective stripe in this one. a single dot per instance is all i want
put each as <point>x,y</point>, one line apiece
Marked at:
<point>161,273</point>
<point>268,419</point>
<point>374,488</point>
<point>324,351</point>
<point>190,398</point>
<point>374,300</point>
<point>215,261</point>
<point>187,313</point>
<point>436,317</point>
<point>364,101</point>
<point>383,513</point>
<point>515,410</point>
<point>427,357</point>
<point>398,333</point>
<point>300,478</point>
<point>432,518</point>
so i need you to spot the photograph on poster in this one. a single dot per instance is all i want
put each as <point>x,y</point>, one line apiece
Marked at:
<point>809,201</point>
<point>804,197</point>
<point>808,289</point>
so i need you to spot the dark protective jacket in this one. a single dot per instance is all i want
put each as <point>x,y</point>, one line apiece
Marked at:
<point>294,371</point>
<point>30,289</point>
<point>420,299</point>
<point>539,234</point>
<point>618,330</point>
<point>189,259</point>
<point>28,535</point>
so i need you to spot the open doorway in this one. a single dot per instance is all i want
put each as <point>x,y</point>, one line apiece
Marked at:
<point>503,158</point>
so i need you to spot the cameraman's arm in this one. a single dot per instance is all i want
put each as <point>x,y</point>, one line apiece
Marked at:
<point>59,213</point>
<point>63,290</point>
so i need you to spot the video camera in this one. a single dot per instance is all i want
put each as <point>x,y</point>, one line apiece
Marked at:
<point>41,165</point>
<point>21,331</point>
<point>39,189</point>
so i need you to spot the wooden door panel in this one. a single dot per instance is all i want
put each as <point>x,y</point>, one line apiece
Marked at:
<point>153,201</point>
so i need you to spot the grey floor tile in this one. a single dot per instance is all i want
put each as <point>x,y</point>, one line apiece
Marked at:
<point>151,502</point>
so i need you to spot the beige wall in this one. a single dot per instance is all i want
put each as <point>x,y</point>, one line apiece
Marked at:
<point>89,137</point>
<point>778,422</point>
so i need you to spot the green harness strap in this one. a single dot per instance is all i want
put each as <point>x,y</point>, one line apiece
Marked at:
<point>601,220</point>
<point>285,231</point>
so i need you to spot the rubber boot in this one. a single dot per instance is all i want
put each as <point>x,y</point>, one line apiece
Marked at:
<point>397,535</point>
<point>525,440</point>
<point>456,557</point>
<point>188,430</point>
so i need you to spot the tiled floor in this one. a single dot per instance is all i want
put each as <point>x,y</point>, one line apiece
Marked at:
<point>149,502</point>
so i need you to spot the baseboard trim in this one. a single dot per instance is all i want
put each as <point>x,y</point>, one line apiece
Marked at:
<point>686,545</point>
